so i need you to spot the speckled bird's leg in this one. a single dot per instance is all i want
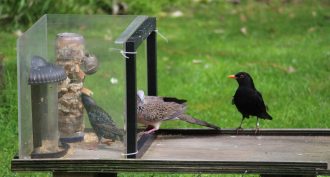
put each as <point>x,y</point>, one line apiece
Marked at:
<point>151,131</point>
<point>154,126</point>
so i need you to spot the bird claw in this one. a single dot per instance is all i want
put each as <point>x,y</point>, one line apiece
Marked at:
<point>257,127</point>
<point>238,129</point>
<point>108,142</point>
<point>256,131</point>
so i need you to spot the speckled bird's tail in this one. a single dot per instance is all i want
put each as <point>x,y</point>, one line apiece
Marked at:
<point>192,120</point>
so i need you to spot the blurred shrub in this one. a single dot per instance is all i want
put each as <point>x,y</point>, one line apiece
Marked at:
<point>152,7</point>
<point>22,13</point>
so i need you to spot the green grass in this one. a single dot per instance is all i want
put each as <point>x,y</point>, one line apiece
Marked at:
<point>285,49</point>
<point>275,42</point>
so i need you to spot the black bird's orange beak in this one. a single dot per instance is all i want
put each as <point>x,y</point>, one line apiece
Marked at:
<point>232,76</point>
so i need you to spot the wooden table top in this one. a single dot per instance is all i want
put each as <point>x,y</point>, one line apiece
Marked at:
<point>289,151</point>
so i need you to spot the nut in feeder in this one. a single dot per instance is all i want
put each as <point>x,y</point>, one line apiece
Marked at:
<point>90,64</point>
<point>70,53</point>
<point>43,79</point>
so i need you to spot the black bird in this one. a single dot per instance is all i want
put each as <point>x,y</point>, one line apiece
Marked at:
<point>248,99</point>
<point>101,121</point>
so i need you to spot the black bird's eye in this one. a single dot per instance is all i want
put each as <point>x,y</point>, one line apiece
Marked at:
<point>241,76</point>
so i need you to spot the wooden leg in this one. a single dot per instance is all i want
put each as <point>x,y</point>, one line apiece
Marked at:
<point>80,174</point>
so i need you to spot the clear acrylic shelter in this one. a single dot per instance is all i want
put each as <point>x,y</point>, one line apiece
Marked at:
<point>113,82</point>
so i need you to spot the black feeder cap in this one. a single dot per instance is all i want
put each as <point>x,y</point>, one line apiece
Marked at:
<point>42,72</point>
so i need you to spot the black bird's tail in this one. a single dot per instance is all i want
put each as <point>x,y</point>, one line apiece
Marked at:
<point>192,120</point>
<point>265,115</point>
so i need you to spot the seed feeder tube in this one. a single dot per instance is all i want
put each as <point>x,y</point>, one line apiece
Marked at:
<point>43,79</point>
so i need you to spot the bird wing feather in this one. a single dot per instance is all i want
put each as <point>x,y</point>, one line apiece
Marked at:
<point>260,101</point>
<point>103,121</point>
<point>155,109</point>
<point>249,101</point>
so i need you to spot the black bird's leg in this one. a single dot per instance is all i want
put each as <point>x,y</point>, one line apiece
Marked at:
<point>240,125</point>
<point>257,126</point>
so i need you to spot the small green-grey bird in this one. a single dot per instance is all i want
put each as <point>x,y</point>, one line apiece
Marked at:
<point>101,121</point>
<point>152,110</point>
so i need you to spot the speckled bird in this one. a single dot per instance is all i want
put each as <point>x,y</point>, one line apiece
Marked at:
<point>152,110</point>
<point>248,99</point>
<point>101,121</point>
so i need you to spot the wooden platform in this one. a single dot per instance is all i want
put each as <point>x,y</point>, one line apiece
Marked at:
<point>240,148</point>
<point>289,151</point>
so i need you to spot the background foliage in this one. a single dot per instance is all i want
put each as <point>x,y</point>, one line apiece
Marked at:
<point>22,13</point>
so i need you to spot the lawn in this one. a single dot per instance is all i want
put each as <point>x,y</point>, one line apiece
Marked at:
<point>283,45</point>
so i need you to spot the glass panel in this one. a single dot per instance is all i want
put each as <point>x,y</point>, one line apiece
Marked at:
<point>31,43</point>
<point>130,29</point>
<point>85,47</point>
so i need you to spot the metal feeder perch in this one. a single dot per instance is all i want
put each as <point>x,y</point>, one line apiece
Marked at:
<point>43,79</point>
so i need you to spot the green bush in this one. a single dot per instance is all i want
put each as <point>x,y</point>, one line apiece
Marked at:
<point>15,14</point>
<point>153,7</point>
<point>23,13</point>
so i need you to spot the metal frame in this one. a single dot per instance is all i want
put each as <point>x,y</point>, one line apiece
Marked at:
<point>146,31</point>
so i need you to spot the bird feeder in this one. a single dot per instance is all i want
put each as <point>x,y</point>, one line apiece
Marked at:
<point>43,79</point>
<point>70,53</point>
<point>105,57</point>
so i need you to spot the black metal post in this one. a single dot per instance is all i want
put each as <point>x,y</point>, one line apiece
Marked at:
<point>131,123</point>
<point>146,31</point>
<point>152,63</point>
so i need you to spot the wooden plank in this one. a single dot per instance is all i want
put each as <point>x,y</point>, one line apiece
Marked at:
<point>105,166</point>
<point>240,148</point>
<point>284,152</point>
<point>144,143</point>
